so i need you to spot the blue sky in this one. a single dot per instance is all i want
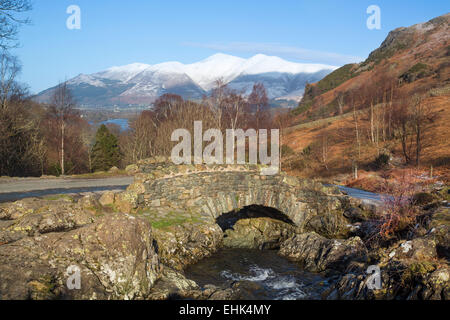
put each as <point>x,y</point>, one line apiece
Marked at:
<point>117,32</point>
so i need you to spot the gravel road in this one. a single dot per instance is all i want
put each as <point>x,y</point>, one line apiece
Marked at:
<point>19,188</point>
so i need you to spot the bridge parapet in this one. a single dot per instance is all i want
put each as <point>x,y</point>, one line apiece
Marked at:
<point>163,168</point>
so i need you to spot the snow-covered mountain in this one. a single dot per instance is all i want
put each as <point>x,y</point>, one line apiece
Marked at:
<point>142,83</point>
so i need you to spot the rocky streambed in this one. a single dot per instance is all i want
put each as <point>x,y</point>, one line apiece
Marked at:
<point>253,253</point>
<point>258,274</point>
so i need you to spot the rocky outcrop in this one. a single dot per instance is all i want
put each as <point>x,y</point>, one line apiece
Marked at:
<point>415,270</point>
<point>115,257</point>
<point>316,253</point>
<point>441,236</point>
<point>185,244</point>
<point>400,279</point>
<point>350,286</point>
<point>32,217</point>
<point>258,233</point>
<point>417,249</point>
<point>174,285</point>
<point>431,285</point>
<point>330,224</point>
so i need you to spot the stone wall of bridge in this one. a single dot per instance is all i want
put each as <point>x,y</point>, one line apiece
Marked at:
<point>208,191</point>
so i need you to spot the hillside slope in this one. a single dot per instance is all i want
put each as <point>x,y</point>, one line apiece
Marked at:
<point>417,57</point>
<point>351,103</point>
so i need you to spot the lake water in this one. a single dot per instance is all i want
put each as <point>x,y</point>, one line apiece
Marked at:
<point>123,123</point>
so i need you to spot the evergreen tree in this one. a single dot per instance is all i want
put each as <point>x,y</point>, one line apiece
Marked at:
<point>105,152</point>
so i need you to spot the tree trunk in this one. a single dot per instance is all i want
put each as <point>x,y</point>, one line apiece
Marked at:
<point>357,132</point>
<point>62,147</point>
<point>418,143</point>
<point>371,123</point>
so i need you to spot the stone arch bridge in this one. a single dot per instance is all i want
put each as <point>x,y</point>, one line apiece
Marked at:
<point>205,192</point>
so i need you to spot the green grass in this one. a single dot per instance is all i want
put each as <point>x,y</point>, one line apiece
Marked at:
<point>418,67</point>
<point>331,81</point>
<point>336,78</point>
<point>402,42</point>
<point>169,222</point>
<point>418,270</point>
<point>171,219</point>
<point>418,71</point>
<point>302,107</point>
<point>59,197</point>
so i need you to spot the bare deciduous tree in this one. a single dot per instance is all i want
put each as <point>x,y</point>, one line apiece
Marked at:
<point>9,70</point>
<point>412,118</point>
<point>260,102</point>
<point>340,99</point>
<point>20,139</point>
<point>422,117</point>
<point>62,109</point>
<point>10,20</point>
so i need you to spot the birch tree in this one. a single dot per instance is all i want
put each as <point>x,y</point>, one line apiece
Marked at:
<point>63,110</point>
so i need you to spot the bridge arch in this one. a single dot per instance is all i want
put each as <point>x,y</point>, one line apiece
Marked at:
<point>228,220</point>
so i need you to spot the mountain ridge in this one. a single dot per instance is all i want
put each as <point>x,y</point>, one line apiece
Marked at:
<point>140,83</point>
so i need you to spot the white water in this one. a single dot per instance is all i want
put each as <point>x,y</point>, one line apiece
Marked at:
<point>285,287</point>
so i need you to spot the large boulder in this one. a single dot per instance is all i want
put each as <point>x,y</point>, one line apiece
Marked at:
<point>355,214</point>
<point>184,244</point>
<point>258,233</point>
<point>350,286</point>
<point>399,280</point>
<point>107,198</point>
<point>173,284</point>
<point>115,256</point>
<point>126,201</point>
<point>132,169</point>
<point>441,236</point>
<point>417,249</point>
<point>423,281</point>
<point>316,253</point>
<point>114,169</point>
<point>330,224</point>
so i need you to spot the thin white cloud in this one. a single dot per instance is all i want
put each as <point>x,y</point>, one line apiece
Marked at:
<point>279,50</point>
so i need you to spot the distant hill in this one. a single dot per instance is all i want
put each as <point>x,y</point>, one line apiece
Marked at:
<point>142,84</point>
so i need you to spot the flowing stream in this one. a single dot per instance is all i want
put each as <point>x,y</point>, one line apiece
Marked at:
<point>261,275</point>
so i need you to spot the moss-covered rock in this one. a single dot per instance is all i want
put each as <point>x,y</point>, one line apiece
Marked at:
<point>32,217</point>
<point>330,224</point>
<point>180,245</point>
<point>441,217</point>
<point>423,198</point>
<point>316,253</point>
<point>115,255</point>
<point>258,233</point>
